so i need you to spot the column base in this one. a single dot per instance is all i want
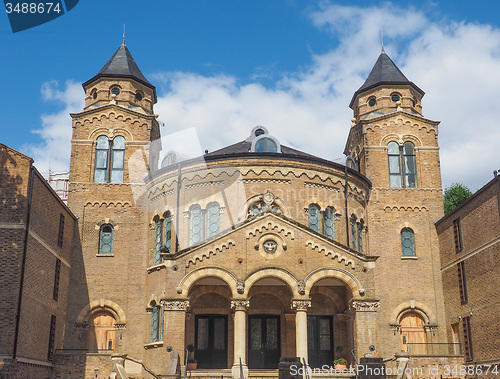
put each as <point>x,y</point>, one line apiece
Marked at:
<point>236,371</point>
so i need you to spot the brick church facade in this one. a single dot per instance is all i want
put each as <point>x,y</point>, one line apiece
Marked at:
<point>255,251</point>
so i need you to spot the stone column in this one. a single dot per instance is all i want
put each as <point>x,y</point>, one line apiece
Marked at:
<point>240,307</point>
<point>300,307</point>
<point>365,325</point>
<point>175,331</point>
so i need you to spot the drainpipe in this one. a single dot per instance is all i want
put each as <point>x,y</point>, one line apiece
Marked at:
<point>23,262</point>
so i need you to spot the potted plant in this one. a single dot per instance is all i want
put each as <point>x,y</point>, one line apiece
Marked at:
<point>340,364</point>
<point>192,364</point>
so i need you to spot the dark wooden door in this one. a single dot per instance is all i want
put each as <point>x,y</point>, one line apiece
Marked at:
<point>263,341</point>
<point>320,341</point>
<point>211,341</point>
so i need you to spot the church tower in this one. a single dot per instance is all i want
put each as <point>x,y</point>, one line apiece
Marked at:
<point>110,156</point>
<point>396,147</point>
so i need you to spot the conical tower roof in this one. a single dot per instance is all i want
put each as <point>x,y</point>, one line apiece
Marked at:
<point>121,65</point>
<point>383,72</point>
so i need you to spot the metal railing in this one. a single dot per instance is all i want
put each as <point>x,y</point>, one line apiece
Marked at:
<point>435,349</point>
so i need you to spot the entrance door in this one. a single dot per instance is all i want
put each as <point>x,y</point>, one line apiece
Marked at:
<point>211,341</point>
<point>263,342</point>
<point>413,339</point>
<point>320,340</point>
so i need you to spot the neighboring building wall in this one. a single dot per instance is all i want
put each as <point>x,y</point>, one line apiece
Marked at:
<point>478,301</point>
<point>44,293</point>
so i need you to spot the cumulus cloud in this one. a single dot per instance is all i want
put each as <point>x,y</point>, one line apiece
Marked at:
<point>455,63</point>
<point>54,150</point>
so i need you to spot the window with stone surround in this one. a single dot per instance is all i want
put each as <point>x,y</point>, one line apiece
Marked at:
<point>109,160</point>
<point>106,232</point>
<point>402,165</point>
<point>156,322</point>
<point>203,223</point>
<point>407,242</point>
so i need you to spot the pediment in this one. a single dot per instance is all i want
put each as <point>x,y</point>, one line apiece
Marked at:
<point>286,234</point>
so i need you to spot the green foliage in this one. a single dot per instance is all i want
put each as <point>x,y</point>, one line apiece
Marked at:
<point>454,195</point>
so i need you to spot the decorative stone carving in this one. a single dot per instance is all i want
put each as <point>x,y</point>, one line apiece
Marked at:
<point>175,305</point>
<point>301,305</point>
<point>268,198</point>
<point>240,286</point>
<point>301,287</point>
<point>395,328</point>
<point>433,328</point>
<point>240,304</point>
<point>365,306</point>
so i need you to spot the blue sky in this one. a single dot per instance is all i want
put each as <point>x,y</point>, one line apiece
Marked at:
<point>224,66</point>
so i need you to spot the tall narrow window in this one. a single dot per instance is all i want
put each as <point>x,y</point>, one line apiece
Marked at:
<point>360,236</point>
<point>407,242</point>
<point>60,235</point>
<point>117,159</point>
<point>52,338</point>
<point>314,217</point>
<point>462,284</point>
<point>101,160</point>
<point>213,219</point>
<point>354,230</point>
<point>402,165</point>
<point>195,225</point>
<point>168,231</point>
<point>158,240</point>
<point>106,239</point>
<point>57,276</point>
<point>329,222</point>
<point>394,165</point>
<point>457,233</point>
<point>467,338</point>
<point>409,165</point>
<point>109,160</point>
<point>156,323</point>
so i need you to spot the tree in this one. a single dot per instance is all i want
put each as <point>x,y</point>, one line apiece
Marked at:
<point>454,195</point>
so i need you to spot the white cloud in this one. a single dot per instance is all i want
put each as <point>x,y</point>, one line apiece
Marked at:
<point>55,149</point>
<point>455,63</point>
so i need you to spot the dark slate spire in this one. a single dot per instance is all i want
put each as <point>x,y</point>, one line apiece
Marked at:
<point>384,72</point>
<point>121,65</point>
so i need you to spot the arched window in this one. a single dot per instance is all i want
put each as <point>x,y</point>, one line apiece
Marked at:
<point>156,323</point>
<point>106,239</point>
<point>117,159</point>
<point>109,160</point>
<point>266,145</point>
<point>213,219</point>
<point>168,231</point>
<point>101,332</point>
<point>402,165</point>
<point>158,240</point>
<point>314,215</point>
<point>354,230</point>
<point>195,225</point>
<point>169,159</point>
<point>329,222</point>
<point>408,242</point>
<point>409,165</point>
<point>101,160</point>
<point>360,235</point>
<point>394,165</point>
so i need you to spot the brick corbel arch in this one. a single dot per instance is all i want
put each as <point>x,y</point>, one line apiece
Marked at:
<point>101,305</point>
<point>338,273</point>
<point>188,280</point>
<point>274,272</point>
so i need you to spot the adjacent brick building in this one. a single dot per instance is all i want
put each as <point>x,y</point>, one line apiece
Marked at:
<point>469,238</point>
<point>36,241</point>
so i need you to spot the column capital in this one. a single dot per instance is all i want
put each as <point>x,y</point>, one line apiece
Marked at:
<point>301,305</point>
<point>364,305</point>
<point>175,304</point>
<point>240,304</point>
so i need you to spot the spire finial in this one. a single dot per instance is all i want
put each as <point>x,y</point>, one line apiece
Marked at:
<point>382,38</point>
<point>123,42</point>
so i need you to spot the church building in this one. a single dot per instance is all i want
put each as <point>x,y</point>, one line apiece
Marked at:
<point>255,251</point>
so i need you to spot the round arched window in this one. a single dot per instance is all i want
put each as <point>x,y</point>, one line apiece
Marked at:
<point>115,91</point>
<point>395,97</point>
